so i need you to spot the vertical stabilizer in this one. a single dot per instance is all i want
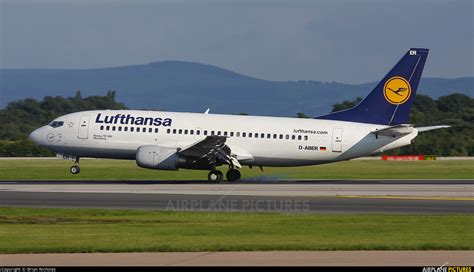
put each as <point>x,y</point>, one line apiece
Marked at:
<point>390,101</point>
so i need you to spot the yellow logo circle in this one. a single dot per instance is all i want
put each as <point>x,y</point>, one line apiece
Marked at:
<point>397,90</point>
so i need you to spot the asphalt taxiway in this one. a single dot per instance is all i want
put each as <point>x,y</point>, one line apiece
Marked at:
<point>317,196</point>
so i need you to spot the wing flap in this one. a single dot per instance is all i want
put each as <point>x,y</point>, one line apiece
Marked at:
<point>213,149</point>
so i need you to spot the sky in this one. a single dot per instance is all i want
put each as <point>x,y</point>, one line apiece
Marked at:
<point>339,40</point>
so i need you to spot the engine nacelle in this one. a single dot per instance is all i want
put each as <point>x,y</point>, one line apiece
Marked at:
<point>157,157</point>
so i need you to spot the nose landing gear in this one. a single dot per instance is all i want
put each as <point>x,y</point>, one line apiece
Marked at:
<point>75,169</point>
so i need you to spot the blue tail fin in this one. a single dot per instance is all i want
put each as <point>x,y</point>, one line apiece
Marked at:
<point>390,101</point>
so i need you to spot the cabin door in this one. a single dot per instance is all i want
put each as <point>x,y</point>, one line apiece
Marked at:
<point>337,140</point>
<point>83,127</point>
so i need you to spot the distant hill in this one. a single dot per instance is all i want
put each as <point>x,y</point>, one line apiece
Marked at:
<point>187,86</point>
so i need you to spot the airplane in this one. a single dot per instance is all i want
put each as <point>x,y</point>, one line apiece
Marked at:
<point>173,140</point>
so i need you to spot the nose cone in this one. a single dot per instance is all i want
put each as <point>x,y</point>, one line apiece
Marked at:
<point>37,136</point>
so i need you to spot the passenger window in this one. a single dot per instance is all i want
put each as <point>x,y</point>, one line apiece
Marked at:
<point>150,130</point>
<point>237,134</point>
<point>138,129</point>
<point>225,133</point>
<point>101,127</point>
<point>191,132</point>
<point>119,128</point>
<point>131,129</point>
<point>174,131</point>
<point>269,136</point>
<point>306,137</point>
<point>281,136</point>
<point>299,137</point>
<point>168,131</point>
<point>262,135</point>
<point>293,137</point>
<point>256,135</point>
<point>244,134</point>
<point>113,128</point>
<point>274,136</point>
<point>205,132</point>
<point>219,133</point>
<point>287,137</point>
<point>125,129</point>
<point>212,132</point>
<point>250,134</point>
<point>180,131</point>
<point>231,134</point>
<point>186,131</point>
<point>156,130</point>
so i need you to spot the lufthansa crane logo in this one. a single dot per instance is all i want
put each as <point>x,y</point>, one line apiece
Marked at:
<point>397,90</point>
<point>50,137</point>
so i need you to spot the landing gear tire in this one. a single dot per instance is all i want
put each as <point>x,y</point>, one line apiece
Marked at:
<point>233,175</point>
<point>215,176</point>
<point>75,169</point>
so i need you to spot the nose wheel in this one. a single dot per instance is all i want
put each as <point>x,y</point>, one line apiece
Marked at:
<point>75,169</point>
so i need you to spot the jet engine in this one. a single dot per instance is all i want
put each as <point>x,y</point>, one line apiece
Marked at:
<point>157,157</point>
<point>167,158</point>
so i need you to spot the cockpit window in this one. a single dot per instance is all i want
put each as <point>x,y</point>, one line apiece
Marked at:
<point>56,124</point>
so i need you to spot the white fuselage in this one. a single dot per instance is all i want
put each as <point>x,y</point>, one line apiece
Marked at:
<point>253,140</point>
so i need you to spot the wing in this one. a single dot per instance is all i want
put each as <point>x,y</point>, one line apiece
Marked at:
<point>212,150</point>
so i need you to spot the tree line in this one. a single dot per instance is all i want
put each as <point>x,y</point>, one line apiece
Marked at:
<point>21,117</point>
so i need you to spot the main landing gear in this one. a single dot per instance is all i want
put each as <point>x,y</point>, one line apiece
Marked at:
<point>75,169</point>
<point>216,176</point>
<point>233,175</point>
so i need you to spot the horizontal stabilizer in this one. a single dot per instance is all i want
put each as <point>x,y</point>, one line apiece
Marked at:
<point>421,129</point>
<point>394,131</point>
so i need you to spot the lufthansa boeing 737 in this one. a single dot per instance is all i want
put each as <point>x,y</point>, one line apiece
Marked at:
<point>173,140</point>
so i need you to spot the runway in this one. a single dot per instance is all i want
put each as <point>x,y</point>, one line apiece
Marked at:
<point>319,196</point>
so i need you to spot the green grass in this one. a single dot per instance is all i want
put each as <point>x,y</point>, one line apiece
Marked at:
<point>128,170</point>
<point>24,230</point>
